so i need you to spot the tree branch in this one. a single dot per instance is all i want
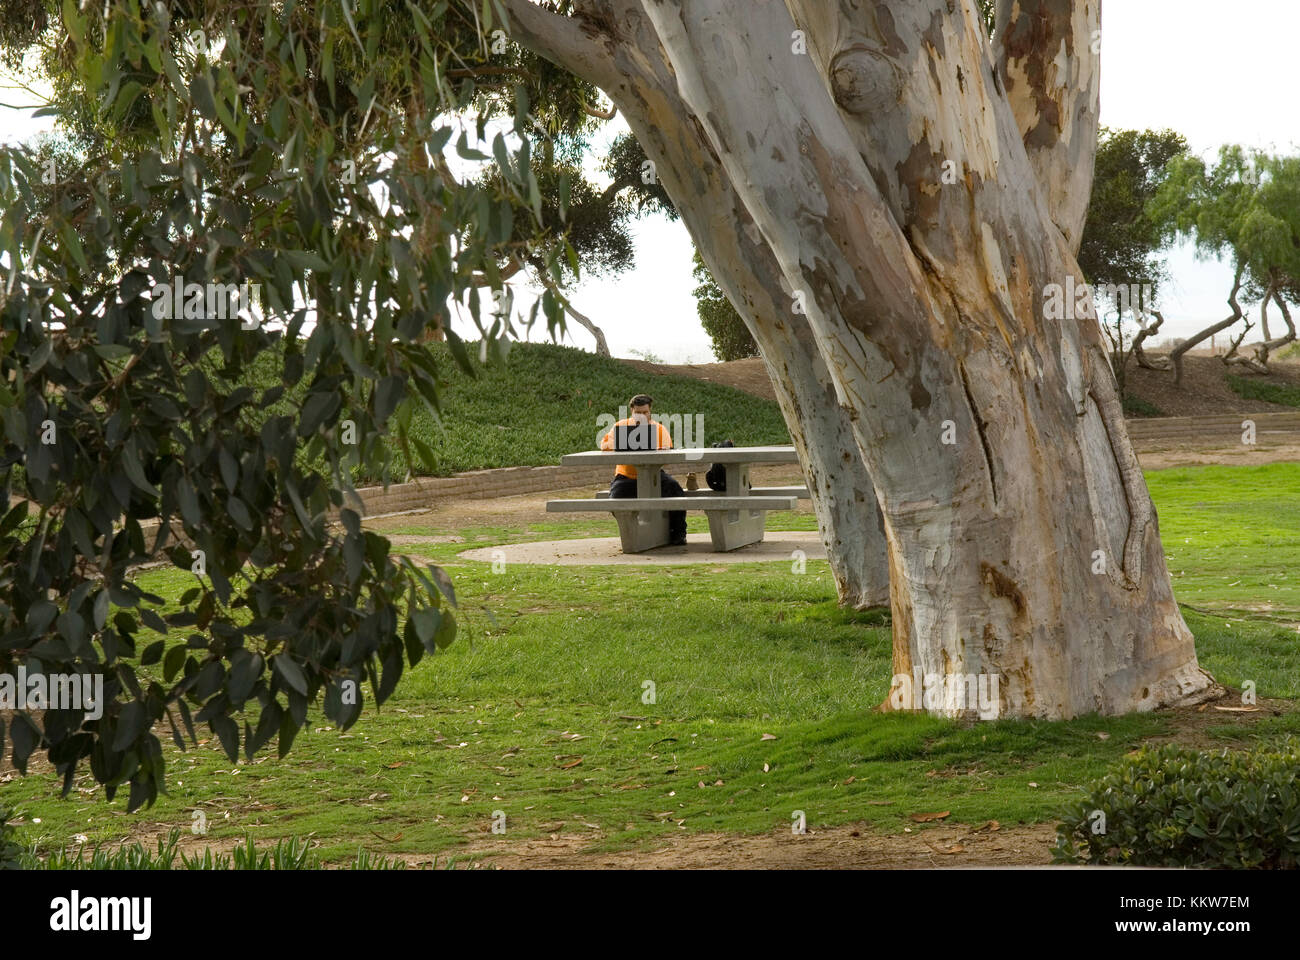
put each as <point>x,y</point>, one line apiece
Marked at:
<point>599,114</point>
<point>602,348</point>
<point>1145,331</point>
<point>565,41</point>
<point>1176,354</point>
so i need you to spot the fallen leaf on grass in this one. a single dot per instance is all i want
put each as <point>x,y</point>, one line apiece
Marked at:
<point>927,817</point>
<point>399,763</point>
<point>768,736</point>
<point>991,826</point>
<point>849,780</point>
<point>955,848</point>
<point>1102,736</point>
<point>571,764</point>
<point>386,839</point>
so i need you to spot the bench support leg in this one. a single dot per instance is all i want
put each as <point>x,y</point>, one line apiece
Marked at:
<point>730,529</point>
<point>642,529</point>
<point>738,484</point>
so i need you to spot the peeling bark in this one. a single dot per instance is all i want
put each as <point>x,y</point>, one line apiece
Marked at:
<point>1044,52</point>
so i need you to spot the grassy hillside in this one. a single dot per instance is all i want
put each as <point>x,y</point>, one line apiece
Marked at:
<point>545,402</point>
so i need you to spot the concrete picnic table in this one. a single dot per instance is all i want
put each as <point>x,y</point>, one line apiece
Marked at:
<point>736,516</point>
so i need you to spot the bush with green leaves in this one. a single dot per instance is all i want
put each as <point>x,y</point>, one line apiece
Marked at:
<point>1175,807</point>
<point>731,338</point>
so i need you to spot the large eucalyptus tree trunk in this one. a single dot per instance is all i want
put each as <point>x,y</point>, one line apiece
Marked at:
<point>924,194</point>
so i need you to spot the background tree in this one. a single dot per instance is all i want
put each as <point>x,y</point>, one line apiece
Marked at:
<point>731,338</point>
<point>1121,242</point>
<point>1245,208</point>
<point>594,221</point>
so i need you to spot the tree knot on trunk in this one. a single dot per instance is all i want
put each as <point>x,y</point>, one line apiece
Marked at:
<point>865,80</point>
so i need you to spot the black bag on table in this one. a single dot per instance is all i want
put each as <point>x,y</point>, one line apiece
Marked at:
<point>716,478</point>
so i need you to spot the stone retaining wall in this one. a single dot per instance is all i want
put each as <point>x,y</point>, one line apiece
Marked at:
<point>477,485</point>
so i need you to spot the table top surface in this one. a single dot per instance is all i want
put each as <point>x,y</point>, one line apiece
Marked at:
<point>661,458</point>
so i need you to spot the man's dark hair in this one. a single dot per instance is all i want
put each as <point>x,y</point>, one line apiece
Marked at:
<point>640,400</point>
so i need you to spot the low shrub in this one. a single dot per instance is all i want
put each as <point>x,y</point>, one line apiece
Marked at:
<point>1176,807</point>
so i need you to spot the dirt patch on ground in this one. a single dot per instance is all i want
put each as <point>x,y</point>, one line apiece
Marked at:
<point>749,375</point>
<point>1236,456</point>
<point>1192,725</point>
<point>854,846</point>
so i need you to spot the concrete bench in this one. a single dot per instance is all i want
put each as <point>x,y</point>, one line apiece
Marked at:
<point>643,521</point>
<point>800,492</point>
<point>735,517</point>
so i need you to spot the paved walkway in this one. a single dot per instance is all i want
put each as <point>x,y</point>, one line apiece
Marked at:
<point>777,546</point>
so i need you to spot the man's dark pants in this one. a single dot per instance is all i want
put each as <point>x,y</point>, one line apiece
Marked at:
<point>624,488</point>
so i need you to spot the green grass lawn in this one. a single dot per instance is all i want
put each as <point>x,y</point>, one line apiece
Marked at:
<point>539,709</point>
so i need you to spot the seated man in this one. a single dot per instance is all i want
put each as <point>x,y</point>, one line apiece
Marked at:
<point>639,432</point>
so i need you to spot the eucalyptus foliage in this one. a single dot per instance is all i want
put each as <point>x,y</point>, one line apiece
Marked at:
<point>300,147</point>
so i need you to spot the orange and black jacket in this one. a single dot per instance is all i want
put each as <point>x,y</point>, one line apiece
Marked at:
<point>662,442</point>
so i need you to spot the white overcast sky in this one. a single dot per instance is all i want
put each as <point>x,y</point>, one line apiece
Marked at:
<point>1216,73</point>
